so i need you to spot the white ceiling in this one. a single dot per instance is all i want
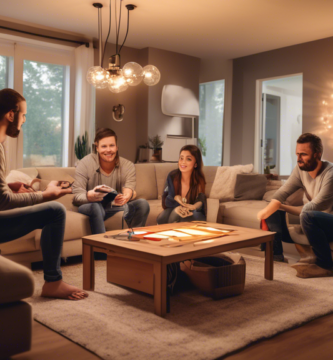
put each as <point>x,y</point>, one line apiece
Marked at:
<point>203,28</point>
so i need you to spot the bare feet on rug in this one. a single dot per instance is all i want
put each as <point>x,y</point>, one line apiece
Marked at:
<point>61,290</point>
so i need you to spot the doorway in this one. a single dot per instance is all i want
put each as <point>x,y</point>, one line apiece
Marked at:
<point>278,124</point>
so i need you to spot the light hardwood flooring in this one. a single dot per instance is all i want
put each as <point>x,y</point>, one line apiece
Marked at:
<point>313,340</point>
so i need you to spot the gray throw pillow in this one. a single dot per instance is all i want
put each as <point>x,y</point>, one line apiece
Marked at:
<point>250,187</point>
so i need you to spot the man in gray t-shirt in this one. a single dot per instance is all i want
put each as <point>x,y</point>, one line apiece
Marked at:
<point>107,168</point>
<point>315,177</point>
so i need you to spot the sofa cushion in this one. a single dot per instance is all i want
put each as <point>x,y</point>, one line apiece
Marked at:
<point>57,173</point>
<point>210,173</point>
<point>32,172</point>
<point>155,210</point>
<point>146,186</point>
<point>225,180</point>
<point>250,187</point>
<point>16,281</point>
<point>242,213</point>
<point>23,244</point>
<point>162,172</point>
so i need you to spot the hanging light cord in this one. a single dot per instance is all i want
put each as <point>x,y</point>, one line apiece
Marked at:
<point>126,31</point>
<point>118,26</point>
<point>107,38</point>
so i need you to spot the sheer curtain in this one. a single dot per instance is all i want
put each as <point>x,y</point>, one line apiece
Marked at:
<point>84,106</point>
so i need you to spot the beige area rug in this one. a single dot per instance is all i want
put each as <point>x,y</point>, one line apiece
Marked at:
<point>116,323</point>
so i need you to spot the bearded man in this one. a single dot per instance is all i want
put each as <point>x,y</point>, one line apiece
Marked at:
<point>315,177</point>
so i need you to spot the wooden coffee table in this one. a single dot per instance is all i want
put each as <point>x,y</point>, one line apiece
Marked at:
<point>143,265</point>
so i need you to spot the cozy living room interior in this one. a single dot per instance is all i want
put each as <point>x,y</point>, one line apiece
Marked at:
<point>242,80</point>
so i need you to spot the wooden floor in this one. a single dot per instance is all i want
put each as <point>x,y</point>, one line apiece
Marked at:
<point>312,341</point>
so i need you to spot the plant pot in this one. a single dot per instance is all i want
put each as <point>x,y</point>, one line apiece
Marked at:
<point>157,155</point>
<point>143,155</point>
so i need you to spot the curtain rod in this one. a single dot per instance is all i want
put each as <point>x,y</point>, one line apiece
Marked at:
<point>46,36</point>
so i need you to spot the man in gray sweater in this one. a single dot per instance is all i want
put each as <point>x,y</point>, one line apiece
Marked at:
<point>315,177</point>
<point>107,168</point>
<point>21,213</point>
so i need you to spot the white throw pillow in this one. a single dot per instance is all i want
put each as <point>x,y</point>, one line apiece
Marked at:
<point>15,176</point>
<point>225,180</point>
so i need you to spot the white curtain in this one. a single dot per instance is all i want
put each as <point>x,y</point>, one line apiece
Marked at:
<point>85,96</point>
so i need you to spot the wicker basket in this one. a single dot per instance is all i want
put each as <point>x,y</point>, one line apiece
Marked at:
<point>218,276</point>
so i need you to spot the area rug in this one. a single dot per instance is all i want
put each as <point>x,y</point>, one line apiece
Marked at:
<point>117,323</point>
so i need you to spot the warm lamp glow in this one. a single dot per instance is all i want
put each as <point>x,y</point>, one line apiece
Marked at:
<point>133,73</point>
<point>117,84</point>
<point>97,77</point>
<point>151,75</point>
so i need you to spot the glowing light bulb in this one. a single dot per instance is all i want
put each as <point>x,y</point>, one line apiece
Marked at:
<point>151,75</point>
<point>117,84</point>
<point>133,73</point>
<point>98,77</point>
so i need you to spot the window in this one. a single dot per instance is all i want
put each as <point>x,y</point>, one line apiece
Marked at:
<point>211,100</point>
<point>43,74</point>
<point>43,88</point>
<point>4,65</point>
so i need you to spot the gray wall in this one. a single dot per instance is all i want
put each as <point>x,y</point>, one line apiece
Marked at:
<point>314,60</point>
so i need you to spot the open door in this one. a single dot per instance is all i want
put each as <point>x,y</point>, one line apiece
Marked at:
<point>270,134</point>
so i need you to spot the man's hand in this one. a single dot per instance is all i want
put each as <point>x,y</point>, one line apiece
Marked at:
<point>183,211</point>
<point>94,196</point>
<point>122,199</point>
<point>53,192</point>
<point>270,209</point>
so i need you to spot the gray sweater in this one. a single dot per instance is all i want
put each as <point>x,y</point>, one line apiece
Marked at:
<point>88,176</point>
<point>318,192</point>
<point>10,200</point>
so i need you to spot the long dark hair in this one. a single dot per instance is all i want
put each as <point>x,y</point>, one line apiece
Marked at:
<point>197,181</point>
<point>103,133</point>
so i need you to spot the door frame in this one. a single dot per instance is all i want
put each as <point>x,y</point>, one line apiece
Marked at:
<point>258,114</point>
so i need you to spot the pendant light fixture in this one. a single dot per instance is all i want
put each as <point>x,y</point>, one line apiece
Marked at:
<point>118,79</point>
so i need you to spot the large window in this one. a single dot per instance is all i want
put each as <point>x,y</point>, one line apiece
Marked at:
<point>42,73</point>
<point>43,88</point>
<point>211,99</point>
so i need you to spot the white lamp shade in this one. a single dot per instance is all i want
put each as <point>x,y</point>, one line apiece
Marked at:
<point>179,101</point>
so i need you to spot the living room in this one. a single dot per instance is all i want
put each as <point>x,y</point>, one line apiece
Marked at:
<point>258,40</point>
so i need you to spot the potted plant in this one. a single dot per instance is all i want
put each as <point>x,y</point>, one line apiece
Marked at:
<point>81,146</point>
<point>156,144</point>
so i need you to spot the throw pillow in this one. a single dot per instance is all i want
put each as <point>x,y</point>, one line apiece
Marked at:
<point>225,180</point>
<point>295,199</point>
<point>18,176</point>
<point>250,187</point>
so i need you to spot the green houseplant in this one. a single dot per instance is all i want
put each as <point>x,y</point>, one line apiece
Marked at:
<point>81,146</point>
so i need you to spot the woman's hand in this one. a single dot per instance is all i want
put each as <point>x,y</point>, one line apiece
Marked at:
<point>183,212</point>
<point>178,198</point>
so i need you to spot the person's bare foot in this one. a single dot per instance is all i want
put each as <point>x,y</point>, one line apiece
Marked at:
<point>61,290</point>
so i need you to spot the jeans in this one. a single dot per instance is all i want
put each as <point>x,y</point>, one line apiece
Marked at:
<point>318,228</point>
<point>135,214</point>
<point>169,216</point>
<point>51,218</point>
<point>277,223</point>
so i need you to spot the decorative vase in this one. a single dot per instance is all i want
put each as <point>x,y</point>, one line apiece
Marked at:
<point>157,155</point>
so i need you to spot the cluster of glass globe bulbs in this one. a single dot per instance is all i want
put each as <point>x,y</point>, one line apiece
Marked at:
<point>119,80</point>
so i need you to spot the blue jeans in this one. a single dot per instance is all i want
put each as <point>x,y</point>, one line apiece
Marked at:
<point>51,218</point>
<point>135,214</point>
<point>169,216</point>
<point>318,228</point>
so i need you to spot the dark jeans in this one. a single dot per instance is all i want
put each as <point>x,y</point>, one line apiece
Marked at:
<point>318,228</point>
<point>135,214</point>
<point>169,216</point>
<point>51,218</point>
<point>277,223</point>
